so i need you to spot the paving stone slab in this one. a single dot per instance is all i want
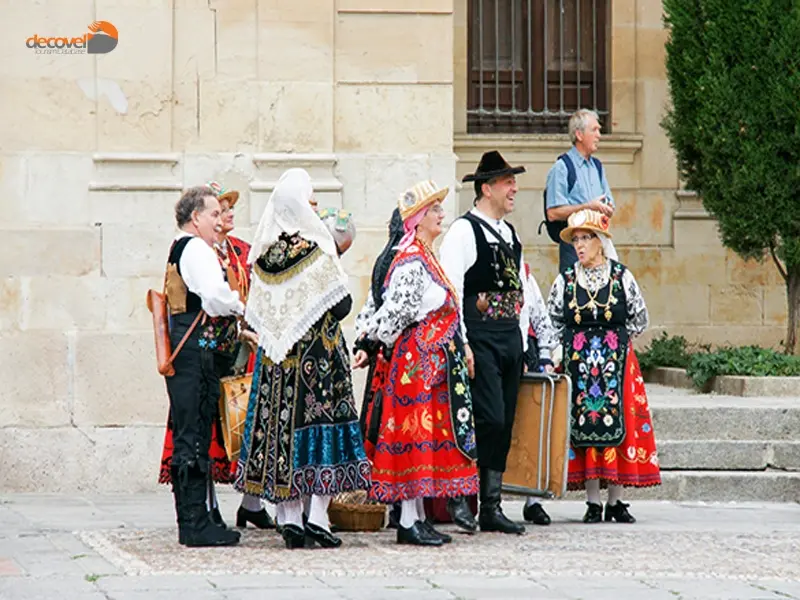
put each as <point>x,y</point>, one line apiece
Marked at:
<point>545,551</point>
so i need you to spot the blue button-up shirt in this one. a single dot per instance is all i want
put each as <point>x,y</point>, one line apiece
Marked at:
<point>587,182</point>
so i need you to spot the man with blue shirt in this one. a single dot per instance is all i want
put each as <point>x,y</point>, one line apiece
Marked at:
<point>576,181</point>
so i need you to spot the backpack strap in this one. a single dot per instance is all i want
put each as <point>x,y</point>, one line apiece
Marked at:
<point>572,176</point>
<point>599,166</point>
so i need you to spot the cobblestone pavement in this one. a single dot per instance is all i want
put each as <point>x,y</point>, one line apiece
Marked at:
<point>124,547</point>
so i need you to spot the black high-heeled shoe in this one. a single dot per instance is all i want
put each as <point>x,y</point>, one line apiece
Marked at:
<point>260,519</point>
<point>324,538</point>
<point>294,536</point>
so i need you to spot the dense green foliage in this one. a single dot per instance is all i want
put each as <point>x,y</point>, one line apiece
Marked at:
<point>702,364</point>
<point>734,78</point>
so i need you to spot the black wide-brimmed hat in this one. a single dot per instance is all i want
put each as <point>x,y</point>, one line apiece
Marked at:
<point>492,165</point>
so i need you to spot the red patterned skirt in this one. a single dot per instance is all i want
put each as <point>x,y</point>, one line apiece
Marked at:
<point>634,462</point>
<point>416,455</point>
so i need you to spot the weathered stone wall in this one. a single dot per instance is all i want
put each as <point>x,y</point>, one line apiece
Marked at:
<point>368,95</point>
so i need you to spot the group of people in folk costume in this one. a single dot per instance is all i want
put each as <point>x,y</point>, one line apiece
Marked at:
<point>445,339</point>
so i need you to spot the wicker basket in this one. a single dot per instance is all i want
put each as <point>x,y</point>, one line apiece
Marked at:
<point>352,512</point>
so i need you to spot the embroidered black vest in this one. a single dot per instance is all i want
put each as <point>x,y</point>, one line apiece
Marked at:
<point>595,352</point>
<point>492,286</point>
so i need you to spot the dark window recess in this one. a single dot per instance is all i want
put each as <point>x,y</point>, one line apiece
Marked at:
<point>532,63</point>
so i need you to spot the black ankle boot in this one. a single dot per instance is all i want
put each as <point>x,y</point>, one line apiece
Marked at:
<point>198,529</point>
<point>394,516</point>
<point>490,515</point>
<point>619,512</point>
<point>536,514</point>
<point>594,513</point>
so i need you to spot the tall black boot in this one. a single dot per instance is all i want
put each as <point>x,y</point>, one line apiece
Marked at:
<point>199,530</point>
<point>461,514</point>
<point>180,511</point>
<point>491,517</point>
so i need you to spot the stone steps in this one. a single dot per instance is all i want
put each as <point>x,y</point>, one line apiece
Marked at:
<point>729,455</point>
<point>724,448</point>
<point>699,417</point>
<point>717,486</point>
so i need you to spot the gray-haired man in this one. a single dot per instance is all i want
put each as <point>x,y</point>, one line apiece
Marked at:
<point>577,181</point>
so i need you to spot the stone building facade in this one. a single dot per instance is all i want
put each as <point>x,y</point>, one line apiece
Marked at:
<point>369,96</point>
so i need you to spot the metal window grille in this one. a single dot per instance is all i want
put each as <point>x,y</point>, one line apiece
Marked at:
<point>532,63</point>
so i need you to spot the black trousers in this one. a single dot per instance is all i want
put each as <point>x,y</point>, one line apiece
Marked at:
<point>567,256</point>
<point>193,396</point>
<point>498,370</point>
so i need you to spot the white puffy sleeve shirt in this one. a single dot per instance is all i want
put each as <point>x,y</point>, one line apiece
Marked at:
<point>202,274</point>
<point>410,296</point>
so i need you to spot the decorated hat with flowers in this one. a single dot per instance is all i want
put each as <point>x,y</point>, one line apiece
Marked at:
<point>588,219</point>
<point>232,196</point>
<point>419,197</point>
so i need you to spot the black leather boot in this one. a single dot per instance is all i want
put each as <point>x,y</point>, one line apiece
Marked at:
<point>216,516</point>
<point>198,529</point>
<point>180,511</point>
<point>619,512</point>
<point>536,514</point>
<point>459,510</point>
<point>490,515</point>
<point>594,513</point>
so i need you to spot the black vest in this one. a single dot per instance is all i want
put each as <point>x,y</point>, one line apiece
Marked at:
<point>494,270</point>
<point>496,276</point>
<point>193,302</point>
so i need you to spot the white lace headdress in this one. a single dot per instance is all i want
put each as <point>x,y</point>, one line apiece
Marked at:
<point>282,309</point>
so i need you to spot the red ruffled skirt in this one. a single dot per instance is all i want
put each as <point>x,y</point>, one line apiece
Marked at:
<point>633,463</point>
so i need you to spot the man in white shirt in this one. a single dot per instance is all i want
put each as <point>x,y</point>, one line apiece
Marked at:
<point>196,290</point>
<point>482,256</point>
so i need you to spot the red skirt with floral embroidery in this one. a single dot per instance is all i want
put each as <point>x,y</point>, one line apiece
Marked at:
<point>221,469</point>
<point>634,462</point>
<point>416,455</point>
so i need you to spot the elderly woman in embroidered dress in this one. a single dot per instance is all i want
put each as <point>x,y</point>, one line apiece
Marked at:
<point>426,440</point>
<point>301,435</point>
<point>597,309</point>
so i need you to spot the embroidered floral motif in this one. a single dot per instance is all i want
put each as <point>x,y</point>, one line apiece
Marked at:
<point>219,334</point>
<point>503,305</point>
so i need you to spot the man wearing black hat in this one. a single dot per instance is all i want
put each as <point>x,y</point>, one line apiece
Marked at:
<point>482,256</point>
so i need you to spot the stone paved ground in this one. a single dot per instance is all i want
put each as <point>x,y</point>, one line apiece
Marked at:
<point>124,547</point>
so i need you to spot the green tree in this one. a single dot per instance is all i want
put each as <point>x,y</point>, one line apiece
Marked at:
<point>734,75</point>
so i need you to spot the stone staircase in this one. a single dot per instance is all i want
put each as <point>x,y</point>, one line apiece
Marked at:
<point>725,448</point>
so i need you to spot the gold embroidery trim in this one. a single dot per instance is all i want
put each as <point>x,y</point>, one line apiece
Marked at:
<point>297,268</point>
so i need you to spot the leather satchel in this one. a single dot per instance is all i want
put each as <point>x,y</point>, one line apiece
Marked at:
<point>157,305</point>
